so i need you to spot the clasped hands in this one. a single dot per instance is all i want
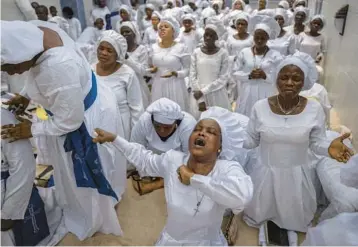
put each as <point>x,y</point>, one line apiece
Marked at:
<point>257,74</point>
<point>154,70</point>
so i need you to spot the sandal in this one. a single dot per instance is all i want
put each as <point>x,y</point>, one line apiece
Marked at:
<point>145,185</point>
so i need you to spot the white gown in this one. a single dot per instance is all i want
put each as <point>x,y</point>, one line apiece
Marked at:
<point>98,12</point>
<point>283,187</point>
<point>286,44</point>
<point>209,74</point>
<point>126,86</point>
<point>144,133</point>
<point>60,76</point>
<point>150,37</point>
<point>175,58</point>
<point>226,186</point>
<point>190,40</point>
<point>75,28</point>
<point>138,61</point>
<point>252,91</point>
<point>312,45</point>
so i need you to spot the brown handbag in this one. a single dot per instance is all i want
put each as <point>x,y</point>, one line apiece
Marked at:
<point>230,228</point>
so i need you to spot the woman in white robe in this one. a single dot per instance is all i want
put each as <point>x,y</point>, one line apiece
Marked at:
<point>254,66</point>
<point>120,78</point>
<point>300,18</point>
<point>286,6</point>
<point>99,11</point>
<point>196,197</point>
<point>285,127</point>
<point>137,57</point>
<point>151,33</point>
<point>313,42</point>
<point>189,35</point>
<point>125,13</point>
<point>17,159</point>
<point>285,43</point>
<point>209,69</point>
<point>62,75</point>
<point>170,63</point>
<point>146,21</point>
<point>153,130</point>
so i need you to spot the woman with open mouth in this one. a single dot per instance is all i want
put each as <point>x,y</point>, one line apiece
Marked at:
<point>199,185</point>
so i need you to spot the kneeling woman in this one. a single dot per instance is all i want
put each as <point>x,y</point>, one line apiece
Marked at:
<point>285,127</point>
<point>199,185</point>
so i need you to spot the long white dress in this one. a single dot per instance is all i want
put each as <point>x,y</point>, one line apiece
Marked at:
<point>126,86</point>
<point>283,187</point>
<point>190,40</point>
<point>144,133</point>
<point>286,44</point>
<point>98,12</point>
<point>312,45</point>
<point>61,76</point>
<point>138,61</point>
<point>226,186</point>
<point>175,58</point>
<point>150,37</point>
<point>252,91</point>
<point>209,74</point>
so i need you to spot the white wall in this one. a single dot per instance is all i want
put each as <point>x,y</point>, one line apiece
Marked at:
<point>341,68</point>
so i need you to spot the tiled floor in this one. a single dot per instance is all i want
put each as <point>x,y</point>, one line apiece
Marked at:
<point>142,219</point>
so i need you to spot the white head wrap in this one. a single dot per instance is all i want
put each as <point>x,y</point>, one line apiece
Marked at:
<point>232,131</point>
<point>242,4</point>
<point>283,13</point>
<point>284,4</point>
<point>206,13</point>
<point>304,10</point>
<point>20,41</point>
<point>298,1</point>
<point>127,9</point>
<point>150,6</point>
<point>266,23</point>
<point>204,4</point>
<point>173,23</point>
<point>241,16</point>
<point>306,63</point>
<point>218,2</point>
<point>157,14</point>
<point>165,111</point>
<point>118,42</point>
<point>217,25</point>
<point>320,17</point>
<point>133,27</point>
<point>189,17</point>
<point>187,10</point>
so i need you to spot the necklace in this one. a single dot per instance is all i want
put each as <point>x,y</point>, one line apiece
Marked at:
<point>289,111</point>
<point>264,55</point>
<point>198,203</point>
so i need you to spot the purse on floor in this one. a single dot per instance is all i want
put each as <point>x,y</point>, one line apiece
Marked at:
<point>230,227</point>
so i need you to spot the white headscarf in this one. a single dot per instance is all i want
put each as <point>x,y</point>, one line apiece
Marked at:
<point>218,2</point>
<point>306,63</point>
<point>134,29</point>
<point>204,4</point>
<point>187,9</point>
<point>217,25</point>
<point>284,4</point>
<point>304,10</point>
<point>157,14</point>
<point>283,13</point>
<point>189,17</point>
<point>298,1</point>
<point>127,9</point>
<point>165,111</point>
<point>173,23</point>
<point>20,41</point>
<point>241,16</point>
<point>118,42</point>
<point>232,131</point>
<point>149,6</point>
<point>266,23</point>
<point>242,4</point>
<point>320,17</point>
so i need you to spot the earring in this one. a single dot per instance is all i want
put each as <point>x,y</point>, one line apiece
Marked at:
<point>219,150</point>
